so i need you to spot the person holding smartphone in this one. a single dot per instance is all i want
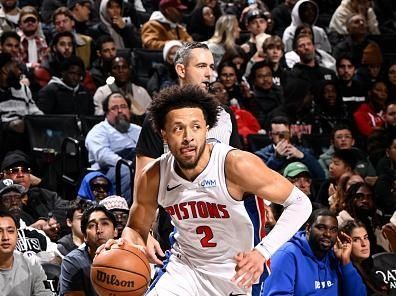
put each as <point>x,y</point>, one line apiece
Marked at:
<point>282,151</point>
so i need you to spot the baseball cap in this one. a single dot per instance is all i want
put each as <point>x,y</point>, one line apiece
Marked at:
<point>72,3</point>
<point>295,168</point>
<point>255,13</point>
<point>114,202</point>
<point>28,11</point>
<point>14,158</point>
<point>172,3</point>
<point>7,185</point>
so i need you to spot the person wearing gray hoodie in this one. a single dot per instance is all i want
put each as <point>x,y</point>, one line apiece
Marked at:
<point>306,11</point>
<point>114,24</point>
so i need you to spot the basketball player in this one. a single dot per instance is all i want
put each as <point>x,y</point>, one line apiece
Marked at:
<point>194,65</point>
<point>202,187</point>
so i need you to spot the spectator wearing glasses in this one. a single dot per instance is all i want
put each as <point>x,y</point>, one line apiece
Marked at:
<point>282,152</point>
<point>95,187</point>
<point>113,139</point>
<point>33,46</point>
<point>39,203</point>
<point>31,241</point>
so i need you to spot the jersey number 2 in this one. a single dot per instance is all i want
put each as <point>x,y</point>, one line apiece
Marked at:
<point>205,241</point>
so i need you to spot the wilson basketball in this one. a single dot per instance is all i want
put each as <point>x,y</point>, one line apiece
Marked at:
<point>120,271</point>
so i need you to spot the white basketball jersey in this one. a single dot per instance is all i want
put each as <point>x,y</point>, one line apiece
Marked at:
<point>211,227</point>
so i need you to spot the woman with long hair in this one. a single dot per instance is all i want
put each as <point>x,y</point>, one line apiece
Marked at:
<point>361,257</point>
<point>226,32</point>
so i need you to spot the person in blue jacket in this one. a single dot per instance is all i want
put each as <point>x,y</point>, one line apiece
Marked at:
<point>308,265</point>
<point>281,151</point>
<point>95,187</point>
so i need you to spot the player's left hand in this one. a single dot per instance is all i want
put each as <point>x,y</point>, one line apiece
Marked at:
<point>250,266</point>
<point>152,249</point>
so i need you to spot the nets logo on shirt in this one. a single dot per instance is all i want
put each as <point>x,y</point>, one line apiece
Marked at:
<point>208,183</point>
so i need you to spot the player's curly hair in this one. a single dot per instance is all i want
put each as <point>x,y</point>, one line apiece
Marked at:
<point>177,97</point>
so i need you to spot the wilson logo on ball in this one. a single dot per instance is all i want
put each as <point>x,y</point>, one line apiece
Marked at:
<point>113,280</point>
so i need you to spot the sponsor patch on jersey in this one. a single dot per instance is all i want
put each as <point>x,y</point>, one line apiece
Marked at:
<point>208,183</point>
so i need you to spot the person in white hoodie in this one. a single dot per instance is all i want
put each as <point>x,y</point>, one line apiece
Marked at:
<point>164,25</point>
<point>306,11</point>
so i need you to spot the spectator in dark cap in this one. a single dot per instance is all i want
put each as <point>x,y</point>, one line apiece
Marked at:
<point>256,23</point>
<point>165,25</point>
<point>40,203</point>
<point>81,10</point>
<point>66,94</point>
<point>30,240</point>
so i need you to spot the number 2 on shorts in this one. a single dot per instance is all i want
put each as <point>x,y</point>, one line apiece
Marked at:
<point>208,235</point>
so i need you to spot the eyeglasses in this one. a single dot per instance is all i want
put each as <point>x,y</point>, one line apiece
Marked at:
<point>7,199</point>
<point>29,20</point>
<point>116,108</point>
<point>17,170</point>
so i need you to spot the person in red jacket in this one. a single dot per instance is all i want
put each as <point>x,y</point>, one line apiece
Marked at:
<point>369,115</point>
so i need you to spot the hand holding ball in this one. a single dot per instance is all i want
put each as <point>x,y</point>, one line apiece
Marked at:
<point>122,270</point>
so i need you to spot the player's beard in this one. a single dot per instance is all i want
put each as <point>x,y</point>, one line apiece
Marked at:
<point>191,165</point>
<point>121,124</point>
